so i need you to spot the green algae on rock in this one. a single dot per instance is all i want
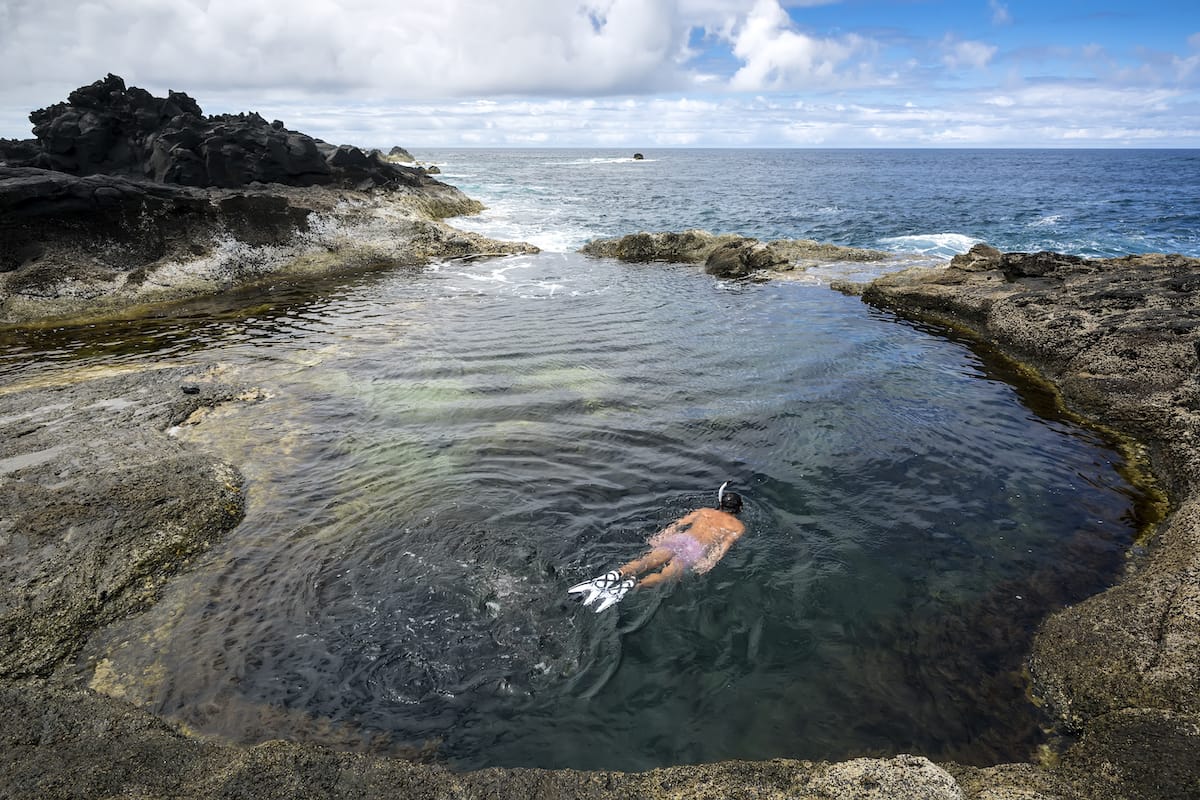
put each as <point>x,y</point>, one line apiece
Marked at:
<point>94,528</point>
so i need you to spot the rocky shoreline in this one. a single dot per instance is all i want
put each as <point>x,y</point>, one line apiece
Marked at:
<point>102,504</point>
<point>1120,338</point>
<point>88,538</point>
<point>125,198</point>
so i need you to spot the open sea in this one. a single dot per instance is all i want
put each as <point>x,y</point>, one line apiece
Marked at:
<point>1095,203</point>
<point>443,452</point>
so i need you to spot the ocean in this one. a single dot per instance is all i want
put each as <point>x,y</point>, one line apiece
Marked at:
<point>443,452</point>
<point>1095,203</point>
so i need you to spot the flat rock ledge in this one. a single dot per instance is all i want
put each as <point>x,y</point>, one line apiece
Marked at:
<point>1121,339</point>
<point>83,245</point>
<point>729,255</point>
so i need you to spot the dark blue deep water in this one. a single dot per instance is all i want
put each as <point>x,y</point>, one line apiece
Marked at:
<point>441,453</point>
<point>938,202</point>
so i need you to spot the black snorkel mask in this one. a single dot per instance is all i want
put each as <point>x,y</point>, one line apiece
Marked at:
<point>730,502</point>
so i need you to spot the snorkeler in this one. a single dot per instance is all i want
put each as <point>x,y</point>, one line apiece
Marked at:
<point>696,541</point>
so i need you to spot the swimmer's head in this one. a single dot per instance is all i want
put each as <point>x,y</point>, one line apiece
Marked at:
<point>728,501</point>
<point>731,502</point>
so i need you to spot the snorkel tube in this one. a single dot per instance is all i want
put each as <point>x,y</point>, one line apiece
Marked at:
<point>721,494</point>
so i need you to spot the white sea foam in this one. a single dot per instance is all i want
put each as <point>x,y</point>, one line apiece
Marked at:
<point>1047,221</point>
<point>527,219</point>
<point>506,276</point>
<point>944,245</point>
<point>581,162</point>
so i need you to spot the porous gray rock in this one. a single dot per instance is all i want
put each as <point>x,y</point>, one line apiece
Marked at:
<point>127,198</point>
<point>685,247</point>
<point>979,258</point>
<point>100,505</point>
<point>742,258</point>
<point>727,255</point>
<point>73,245</point>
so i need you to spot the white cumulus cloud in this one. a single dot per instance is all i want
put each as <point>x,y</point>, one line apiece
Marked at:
<point>415,48</point>
<point>976,55</point>
<point>774,55</point>
<point>636,73</point>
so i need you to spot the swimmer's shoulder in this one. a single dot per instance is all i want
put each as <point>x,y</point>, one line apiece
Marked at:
<point>715,516</point>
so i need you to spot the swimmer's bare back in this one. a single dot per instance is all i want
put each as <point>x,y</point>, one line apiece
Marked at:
<point>695,542</point>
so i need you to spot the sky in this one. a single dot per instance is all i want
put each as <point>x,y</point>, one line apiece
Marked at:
<point>636,74</point>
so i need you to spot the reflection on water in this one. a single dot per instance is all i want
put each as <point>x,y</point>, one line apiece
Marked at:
<point>441,455</point>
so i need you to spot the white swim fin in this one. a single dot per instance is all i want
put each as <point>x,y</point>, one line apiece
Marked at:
<point>606,591</point>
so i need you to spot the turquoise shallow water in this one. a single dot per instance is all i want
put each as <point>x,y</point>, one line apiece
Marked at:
<point>444,453</point>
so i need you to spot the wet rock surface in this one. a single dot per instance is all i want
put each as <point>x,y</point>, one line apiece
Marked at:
<point>66,743</point>
<point>1121,339</point>
<point>73,245</point>
<point>100,505</point>
<point>728,255</point>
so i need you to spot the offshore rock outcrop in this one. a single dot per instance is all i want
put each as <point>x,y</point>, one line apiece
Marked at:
<point>729,255</point>
<point>125,198</point>
<point>1121,339</point>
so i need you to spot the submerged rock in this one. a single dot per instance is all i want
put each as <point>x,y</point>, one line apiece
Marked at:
<point>100,505</point>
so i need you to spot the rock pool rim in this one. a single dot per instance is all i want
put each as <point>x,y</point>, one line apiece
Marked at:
<point>1026,374</point>
<point>1152,504</point>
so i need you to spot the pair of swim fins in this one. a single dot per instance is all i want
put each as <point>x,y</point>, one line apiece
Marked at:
<point>605,591</point>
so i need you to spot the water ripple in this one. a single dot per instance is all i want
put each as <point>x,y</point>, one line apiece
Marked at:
<point>435,466</point>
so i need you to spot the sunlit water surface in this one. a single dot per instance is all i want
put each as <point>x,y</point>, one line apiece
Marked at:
<point>442,454</point>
